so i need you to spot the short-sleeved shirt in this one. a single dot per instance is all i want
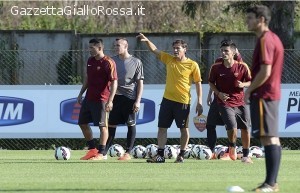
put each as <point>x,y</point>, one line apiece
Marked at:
<point>269,51</point>
<point>226,79</point>
<point>100,73</point>
<point>180,75</point>
<point>129,71</point>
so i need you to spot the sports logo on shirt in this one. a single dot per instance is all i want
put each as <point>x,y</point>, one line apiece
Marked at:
<point>69,111</point>
<point>15,111</point>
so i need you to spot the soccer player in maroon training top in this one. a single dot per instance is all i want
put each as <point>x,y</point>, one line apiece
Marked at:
<point>264,92</point>
<point>101,85</point>
<point>228,79</point>
<point>213,116</point>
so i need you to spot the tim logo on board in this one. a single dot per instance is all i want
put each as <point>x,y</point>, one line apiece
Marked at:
<point>293,109</point>
<point>15,111</point>
<point>69,111</point>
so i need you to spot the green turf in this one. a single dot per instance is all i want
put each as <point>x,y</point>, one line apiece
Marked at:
<point>38,171</point>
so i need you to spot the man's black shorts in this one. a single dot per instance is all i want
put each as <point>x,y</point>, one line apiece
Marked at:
<point>93,112</point>
<point>214,117</point>
<point>235,117</point>
<point>171,110</point>
<point>264,117</point>
<point>122,111</point>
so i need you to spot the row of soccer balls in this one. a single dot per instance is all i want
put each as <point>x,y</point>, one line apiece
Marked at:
<point>201,152</point>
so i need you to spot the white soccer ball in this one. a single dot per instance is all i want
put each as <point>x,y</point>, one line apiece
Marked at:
<point>170,152</point>
<point>176,146</point>
<point>187,153</point>
<point>62,153</point>
<point>239,152</point>
<point>217,147</point>
<point>138,151</point>
<point>151,150</point>
<point>196,150</point>
<point>221,152</point>
<point>205,153</point>
<point>116,150</point>
<point>256,152</point>
<point>190,146</point>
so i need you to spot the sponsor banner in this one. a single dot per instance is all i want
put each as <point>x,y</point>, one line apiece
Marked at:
<point>15,111</point>
<point>47,111</point>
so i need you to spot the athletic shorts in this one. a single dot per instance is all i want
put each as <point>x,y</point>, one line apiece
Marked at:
<point>122,111</point>
<point>214,117</point>
<point>171,110</point>
<point>235,117</point>
<point>264,117</point>
<point>93,112</point>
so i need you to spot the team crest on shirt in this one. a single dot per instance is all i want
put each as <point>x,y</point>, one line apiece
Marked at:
<point>236,74</point>
<point>98,68</point>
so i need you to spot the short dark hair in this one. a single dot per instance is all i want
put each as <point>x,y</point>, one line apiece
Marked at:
<point>96,41</point>
<point>181,42</point>
<point>121,38</point>
<point>228,42</point>
<point>261,11</point>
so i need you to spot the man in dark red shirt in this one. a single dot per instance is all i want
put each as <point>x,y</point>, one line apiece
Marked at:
<point>213,116</point>
<point>264,92</point>
<point>101,85</point>
<point>227,80</point>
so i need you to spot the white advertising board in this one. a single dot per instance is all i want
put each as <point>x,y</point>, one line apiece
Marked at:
<point>51,112</point>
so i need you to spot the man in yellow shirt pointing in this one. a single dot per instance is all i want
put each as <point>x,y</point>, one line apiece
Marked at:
<point>175,105</point>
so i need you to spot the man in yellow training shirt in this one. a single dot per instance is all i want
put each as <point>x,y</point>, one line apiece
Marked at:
<point>175,105</point>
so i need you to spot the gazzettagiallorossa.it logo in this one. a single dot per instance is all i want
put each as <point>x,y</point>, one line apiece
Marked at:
<point>84,10</point>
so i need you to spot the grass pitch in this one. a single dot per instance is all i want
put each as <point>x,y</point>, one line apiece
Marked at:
<point>38,171</point>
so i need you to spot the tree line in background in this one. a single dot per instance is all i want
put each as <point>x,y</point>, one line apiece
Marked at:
<point>160,16</point>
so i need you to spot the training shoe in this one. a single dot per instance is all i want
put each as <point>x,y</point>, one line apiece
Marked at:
<point>179,159</point>
<point>91,153</point>
<point>232,153</point>
<point>98,157</point>
<point>156,159</point>
<point>225,157</point>
<point>267,188</point>
<point>125,157</point>
<point>105,157</point>
<point>247,160</point>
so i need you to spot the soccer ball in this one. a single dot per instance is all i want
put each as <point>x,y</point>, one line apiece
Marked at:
<point>62,153</point>
<point>196,150</point>
<point>138,151</point>
<point>217,147</point>
<point>239,152</point>
<point>187,153</point>
<point>190,146</point>
<point>176,146</point>
<point>151,150</point>
<point>205,153</point>
<point>116,150</point>
<point>221,152</point>
<point>170,152</point>
<point>256,152</point>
